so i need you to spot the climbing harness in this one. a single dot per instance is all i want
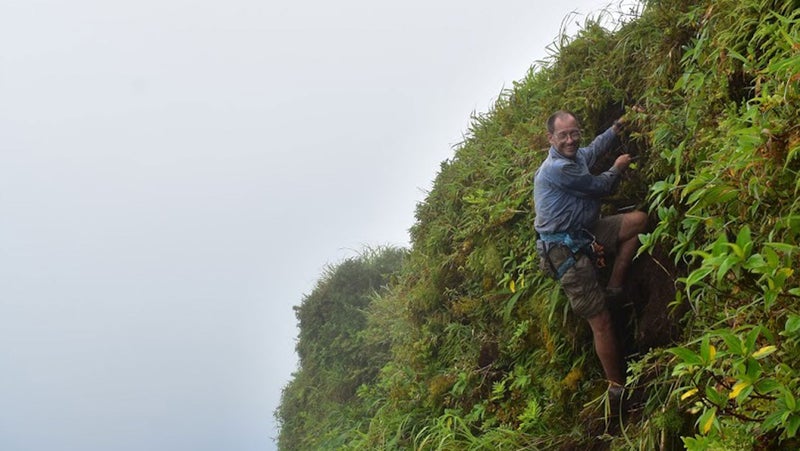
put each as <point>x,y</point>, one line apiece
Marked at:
<point>581,241</point>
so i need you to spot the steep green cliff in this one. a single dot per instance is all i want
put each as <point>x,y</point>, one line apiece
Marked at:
<point>484,351</point>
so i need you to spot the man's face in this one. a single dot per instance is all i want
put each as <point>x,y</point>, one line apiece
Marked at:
<point>566,136</point>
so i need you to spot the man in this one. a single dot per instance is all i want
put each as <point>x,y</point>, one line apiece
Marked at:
<point>567,202</point>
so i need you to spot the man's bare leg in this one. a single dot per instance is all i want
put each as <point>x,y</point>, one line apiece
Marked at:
<point>606,347</point>
<point>633,224</point>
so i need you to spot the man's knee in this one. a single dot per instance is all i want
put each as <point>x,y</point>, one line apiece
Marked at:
<point>633,223</point>
<point>639,220</point>
<point>601,323</point>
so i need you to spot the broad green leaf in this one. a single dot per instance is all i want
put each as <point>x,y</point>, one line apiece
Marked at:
<point>687,355</point>
<point>770,296</point>
<point>774,420</point>
<point>733,342</point>
<point>755,263</point>
<point>744,394</point>
<point>772,257</point>
<point>719,246</point>
<point>509,307</point>
<point>767,386</point>
<point>792,424</point>
<point>783,247</point>
<point>751,338</point>
<point>697,275</point>
<point>705,349</point>
<point>726,265</point>
<point>715,396</point>
<point>792,326</point>
<point>789,400</point>
<point>744,239</point>
<point>738,250</point>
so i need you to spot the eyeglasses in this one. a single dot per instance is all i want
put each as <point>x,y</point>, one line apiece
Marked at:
<point>563,135</point>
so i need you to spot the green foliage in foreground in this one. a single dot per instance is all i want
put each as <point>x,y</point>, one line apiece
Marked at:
<point>484,353</point>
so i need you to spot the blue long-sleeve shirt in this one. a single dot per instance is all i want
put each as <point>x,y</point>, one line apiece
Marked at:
<point>566,195</point>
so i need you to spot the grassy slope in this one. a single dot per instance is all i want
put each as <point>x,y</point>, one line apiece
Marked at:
<point>485,353</point>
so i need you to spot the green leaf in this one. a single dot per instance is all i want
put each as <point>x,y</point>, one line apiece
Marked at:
<point>750,340</point>
<point>737,250</point>
<point>498,390</point>
<point>705,349</point>
<point>706,421</point>
<point>697,275</point>
<point>719,246</point>
<point>715,396</point>
<point>741,397</point>
<point>696,443</point>
<point>770,296</point>
<point>782,247</point>
<point>773,420</point>
<point>792,326</point>
<point>767,386</point>
<point>687,355</point>
<point>744,239</point>
<point>755,263</point>
<point>789,399</point>
<point>772,257</point>
<point>792,424</point>
<point>727,264</point>
<point>733,342</point>
<point>509,307</point>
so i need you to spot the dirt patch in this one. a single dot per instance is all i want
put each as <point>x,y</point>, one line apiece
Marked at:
<point>647,319</point>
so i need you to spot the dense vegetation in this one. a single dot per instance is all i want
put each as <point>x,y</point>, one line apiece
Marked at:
<point>336,354</point>
<point>477,350</point>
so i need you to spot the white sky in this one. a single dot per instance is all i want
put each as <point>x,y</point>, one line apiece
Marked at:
<point>175,174</point>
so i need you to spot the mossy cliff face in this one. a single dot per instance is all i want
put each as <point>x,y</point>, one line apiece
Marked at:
<point>485,353</point>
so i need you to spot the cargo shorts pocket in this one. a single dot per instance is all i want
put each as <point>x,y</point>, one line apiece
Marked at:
<point>550,262</point>
<point>580,285</point>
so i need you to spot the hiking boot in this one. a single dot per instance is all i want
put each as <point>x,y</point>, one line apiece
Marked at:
<point>616,400</point>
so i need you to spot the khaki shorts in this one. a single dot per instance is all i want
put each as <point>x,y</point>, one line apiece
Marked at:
<point>606,231</point>
<point>586,296</point>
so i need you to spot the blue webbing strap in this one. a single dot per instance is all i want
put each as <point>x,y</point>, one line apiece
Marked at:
<point>573,241</point>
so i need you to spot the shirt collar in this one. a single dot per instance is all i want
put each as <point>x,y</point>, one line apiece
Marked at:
<point>556,154</point>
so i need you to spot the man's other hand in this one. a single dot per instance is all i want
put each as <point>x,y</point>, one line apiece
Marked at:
<point>622,162</point>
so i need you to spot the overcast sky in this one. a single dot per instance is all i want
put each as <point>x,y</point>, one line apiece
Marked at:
<point>175,175</point>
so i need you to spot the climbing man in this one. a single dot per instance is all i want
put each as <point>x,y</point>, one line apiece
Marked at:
<point>574,239</point>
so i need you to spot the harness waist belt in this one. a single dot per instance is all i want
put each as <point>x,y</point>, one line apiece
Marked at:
<point>574,241</point>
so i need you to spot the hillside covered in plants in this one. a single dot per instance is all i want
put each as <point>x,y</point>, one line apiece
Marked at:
<point>473,348</point>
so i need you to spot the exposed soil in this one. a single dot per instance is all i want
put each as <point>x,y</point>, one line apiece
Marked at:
<point>645,319</point>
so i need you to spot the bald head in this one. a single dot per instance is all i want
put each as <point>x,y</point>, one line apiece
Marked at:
<point>560,114</point>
